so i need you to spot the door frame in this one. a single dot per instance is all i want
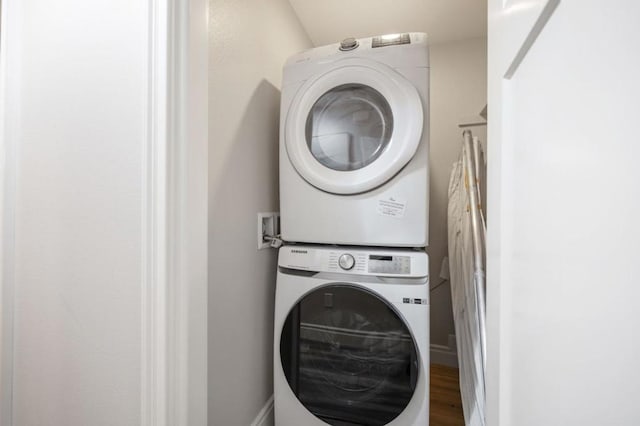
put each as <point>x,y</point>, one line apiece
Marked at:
<point>173,358</point>
<point>174,354</point>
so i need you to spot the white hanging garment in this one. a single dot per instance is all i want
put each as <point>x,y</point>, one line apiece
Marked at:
<point>466,277</point>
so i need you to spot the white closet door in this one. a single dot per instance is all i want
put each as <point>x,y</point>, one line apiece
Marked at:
<point>563,225</point>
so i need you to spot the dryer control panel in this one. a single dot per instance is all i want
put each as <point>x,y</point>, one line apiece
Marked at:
<point>382,262</point>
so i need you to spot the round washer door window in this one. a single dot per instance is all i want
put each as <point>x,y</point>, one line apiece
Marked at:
<point>348,356</point>
<point>349,127</point>
<point>354,127</point>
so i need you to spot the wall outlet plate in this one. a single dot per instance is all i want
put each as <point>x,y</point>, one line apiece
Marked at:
<point>268,225</point>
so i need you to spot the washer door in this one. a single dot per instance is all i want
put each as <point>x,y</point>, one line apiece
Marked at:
<point>348,356</point>
<point>352,129</point>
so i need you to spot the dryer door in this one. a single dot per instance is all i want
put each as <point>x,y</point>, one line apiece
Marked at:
<point>353,128</point>
<point>348,356</point>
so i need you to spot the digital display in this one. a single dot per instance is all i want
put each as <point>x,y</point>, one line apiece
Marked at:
<point>390,40</point>
<point>378,257</point>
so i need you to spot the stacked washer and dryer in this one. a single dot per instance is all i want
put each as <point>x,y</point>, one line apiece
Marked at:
<point>351,337</point>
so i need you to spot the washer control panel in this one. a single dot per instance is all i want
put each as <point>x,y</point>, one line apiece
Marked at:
<point>389,264</point>
<point>346,261</point>
<point>354,260</point>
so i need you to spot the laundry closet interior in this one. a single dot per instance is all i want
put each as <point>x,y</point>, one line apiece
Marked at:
<point>249,44</point>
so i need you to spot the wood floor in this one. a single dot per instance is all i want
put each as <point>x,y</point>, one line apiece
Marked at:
<point>445,403</point>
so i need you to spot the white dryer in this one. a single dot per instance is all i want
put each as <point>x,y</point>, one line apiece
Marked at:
<point>354,143</point>
<point>351,337</point>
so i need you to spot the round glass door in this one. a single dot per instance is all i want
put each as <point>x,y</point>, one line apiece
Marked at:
<point>354,127</point>
<point>348,356</point>
<point>349,127</point>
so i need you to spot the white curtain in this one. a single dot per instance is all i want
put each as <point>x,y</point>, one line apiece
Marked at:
<point>467,230</point>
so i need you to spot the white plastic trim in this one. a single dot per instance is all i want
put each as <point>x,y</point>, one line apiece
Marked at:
<point>405,104</point>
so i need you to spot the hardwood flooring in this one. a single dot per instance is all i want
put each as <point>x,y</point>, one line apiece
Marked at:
<point>445,403</point>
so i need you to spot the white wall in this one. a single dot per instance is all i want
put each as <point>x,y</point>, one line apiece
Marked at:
<point>249,43</point>
<point>458,90</point>
<point>563,216</point>
<point>75,114</point>
<point>103,200</point>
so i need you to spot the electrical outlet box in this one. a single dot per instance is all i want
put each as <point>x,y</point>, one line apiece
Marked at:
<point>268,225</point>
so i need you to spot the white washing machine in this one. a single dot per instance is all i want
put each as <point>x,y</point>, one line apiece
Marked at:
<point>354,143</point>
<point>351,337</point>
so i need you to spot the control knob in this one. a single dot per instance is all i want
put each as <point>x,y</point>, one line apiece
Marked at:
<point>348,44</point>
<point>346,261</point>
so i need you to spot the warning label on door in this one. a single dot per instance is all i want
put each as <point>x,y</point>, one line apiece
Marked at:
<point>392,207</point>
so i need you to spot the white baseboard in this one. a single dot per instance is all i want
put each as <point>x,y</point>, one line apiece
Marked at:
<point>443,355</point>
<point>265,416</point>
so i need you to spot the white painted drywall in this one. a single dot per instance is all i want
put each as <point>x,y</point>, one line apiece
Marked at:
<point>563,229</point>
<point>76,83</point>
<point>458,90</point>
<point>329,21</point>
<point>249,43</point>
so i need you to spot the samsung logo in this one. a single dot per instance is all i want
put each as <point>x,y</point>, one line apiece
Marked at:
<point>299,251</point>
